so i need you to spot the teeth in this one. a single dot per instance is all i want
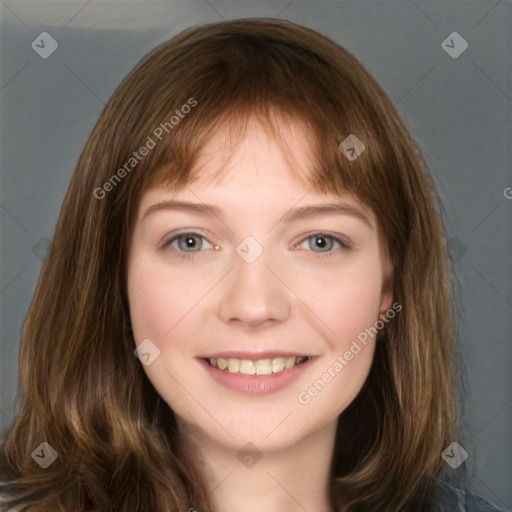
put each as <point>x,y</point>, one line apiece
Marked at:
<point>278,364</point>
<point>290,361</point>
<point>259,367</point>
<point>247,367</point>
<point>263,367</point>
<point>233,365</point>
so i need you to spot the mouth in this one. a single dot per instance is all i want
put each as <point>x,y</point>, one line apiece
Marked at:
<point>256,367</point>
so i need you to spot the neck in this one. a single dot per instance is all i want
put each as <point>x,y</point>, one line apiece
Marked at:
<point>291,479</point>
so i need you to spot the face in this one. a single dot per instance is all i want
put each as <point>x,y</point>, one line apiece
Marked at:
<point>249,294</point>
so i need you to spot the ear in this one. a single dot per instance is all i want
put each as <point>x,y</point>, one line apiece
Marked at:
<point>386,301</point>
<point>387,287</point>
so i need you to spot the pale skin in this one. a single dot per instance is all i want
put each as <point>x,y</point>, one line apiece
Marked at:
<point>301,295</point>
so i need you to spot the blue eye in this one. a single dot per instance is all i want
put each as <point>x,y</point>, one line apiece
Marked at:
<point>190,243</point>
<point>325,243</point>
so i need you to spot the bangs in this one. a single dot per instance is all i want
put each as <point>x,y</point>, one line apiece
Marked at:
<point>175,161</point>
<point>232,128</point>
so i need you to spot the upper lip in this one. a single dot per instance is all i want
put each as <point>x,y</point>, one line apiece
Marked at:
<point>253,355</point>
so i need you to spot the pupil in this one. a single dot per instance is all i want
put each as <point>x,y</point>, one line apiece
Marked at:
<point>320,241</point>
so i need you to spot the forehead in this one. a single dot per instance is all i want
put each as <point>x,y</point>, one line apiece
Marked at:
<point>255,149</point>
<point>257,162</point>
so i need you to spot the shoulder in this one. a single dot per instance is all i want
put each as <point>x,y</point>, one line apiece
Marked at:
<point>450,498</point>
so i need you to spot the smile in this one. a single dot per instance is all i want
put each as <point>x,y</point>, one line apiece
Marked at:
<point>256,367</point>
<point>264,373</point>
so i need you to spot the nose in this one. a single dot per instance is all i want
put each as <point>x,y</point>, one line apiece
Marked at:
<point>253,296</point>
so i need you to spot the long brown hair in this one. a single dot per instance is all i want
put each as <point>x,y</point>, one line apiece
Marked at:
<point>82,390</point>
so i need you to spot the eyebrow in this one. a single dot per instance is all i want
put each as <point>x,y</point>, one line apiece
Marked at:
<point>291,215</point>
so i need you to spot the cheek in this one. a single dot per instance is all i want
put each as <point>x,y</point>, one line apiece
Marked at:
<point>342,303</point>
<point>159,298</point>
<point>357,307</point>
<point>349,311</point>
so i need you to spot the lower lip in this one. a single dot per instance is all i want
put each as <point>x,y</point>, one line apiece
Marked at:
<point>256,384</point>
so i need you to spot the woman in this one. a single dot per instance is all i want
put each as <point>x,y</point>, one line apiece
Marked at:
<point>247,303</point>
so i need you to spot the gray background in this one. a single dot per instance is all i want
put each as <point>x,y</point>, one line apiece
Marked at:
<point>459,111</point>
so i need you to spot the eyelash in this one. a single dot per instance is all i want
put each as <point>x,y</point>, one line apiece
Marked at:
<point>194,254</point>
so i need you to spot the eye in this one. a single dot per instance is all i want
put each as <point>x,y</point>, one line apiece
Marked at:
<point>324,242</point>
<point>187,242</point>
